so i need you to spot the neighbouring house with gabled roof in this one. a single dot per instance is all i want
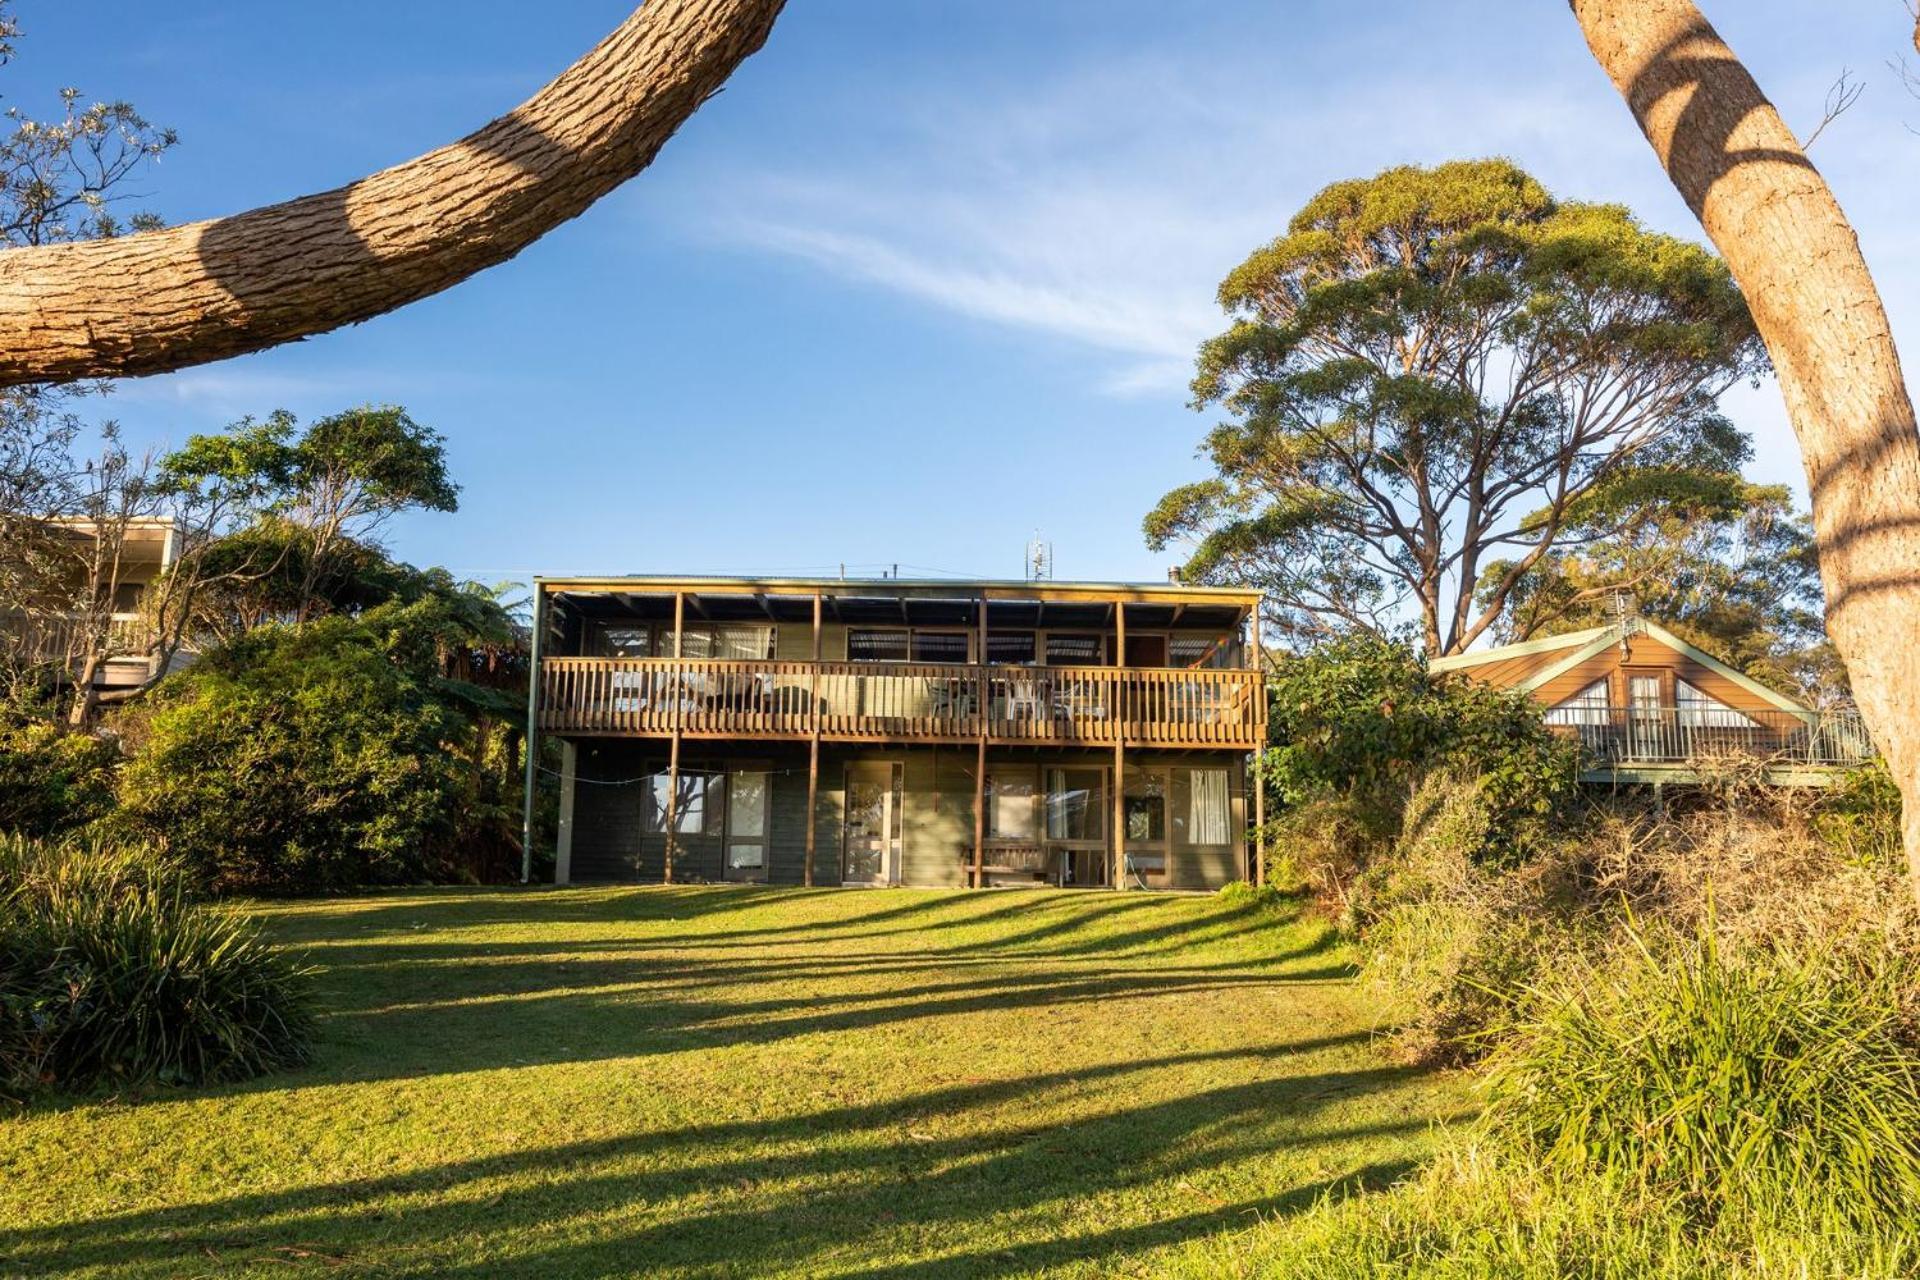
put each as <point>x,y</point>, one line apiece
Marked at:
<point>1652,708</point>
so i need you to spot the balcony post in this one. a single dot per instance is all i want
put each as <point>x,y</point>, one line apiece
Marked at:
<point>1119,869</point>
<point>983,701</point>
<point>980,814</point>
<point>1259,752</point>
<point>563,839</point>
<point>813,744</point>
<point>672,838</point>
<point>673,802</point>
<point>531,738</point>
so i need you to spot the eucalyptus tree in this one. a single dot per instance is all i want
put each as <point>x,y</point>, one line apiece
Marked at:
<point>1437,369</point>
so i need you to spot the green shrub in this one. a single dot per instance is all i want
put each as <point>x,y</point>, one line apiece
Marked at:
<point>1449,974</point>
<point>1760,1086</point>
<point>1449,942</point>
<point>1358,722</point>
<point>1860,816</point>
<point>110,973</point>
<point>52,780</point>
<point>299,760</point>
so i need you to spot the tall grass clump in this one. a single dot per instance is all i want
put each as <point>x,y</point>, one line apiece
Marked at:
<point>1476,1212</point>
<point>111,973</point>
<point>1761,1087</point>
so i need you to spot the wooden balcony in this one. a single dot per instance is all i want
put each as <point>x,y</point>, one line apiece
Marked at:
<point>62,642</point>
<point>1623,738</point>
<point>902,702</point>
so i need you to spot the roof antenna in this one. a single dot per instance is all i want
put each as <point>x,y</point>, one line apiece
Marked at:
<point>1039,559</point>
<point>1626,615</point>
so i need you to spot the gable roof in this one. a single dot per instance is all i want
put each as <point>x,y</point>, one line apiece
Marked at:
<point>1582,645</point>
<point>1501,653</point>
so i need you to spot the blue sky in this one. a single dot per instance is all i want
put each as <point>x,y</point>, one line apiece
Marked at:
<point>927,277</point>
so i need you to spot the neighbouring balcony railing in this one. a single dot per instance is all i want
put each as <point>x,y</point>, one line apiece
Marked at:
<point>902,701</point>
<point>63,639</point>
<point>1680,735</point>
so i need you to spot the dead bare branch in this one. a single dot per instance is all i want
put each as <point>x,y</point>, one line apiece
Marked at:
<point>1842,94</point>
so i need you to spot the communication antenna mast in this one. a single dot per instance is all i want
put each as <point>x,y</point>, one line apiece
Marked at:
<point>1626,615</point>
<point>1039,559</point>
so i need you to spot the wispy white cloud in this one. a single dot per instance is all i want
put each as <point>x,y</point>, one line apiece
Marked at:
<point>260,384</point>
<point>1102,207</point>
<point>1101,313</point>
<point>233,390</point>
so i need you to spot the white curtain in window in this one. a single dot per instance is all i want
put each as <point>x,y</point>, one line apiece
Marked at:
<point>1010,795</point>
<point>1587,707</point>
<point>1700,710</point>
<point>1207,806</point>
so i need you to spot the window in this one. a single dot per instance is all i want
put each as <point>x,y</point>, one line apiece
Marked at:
<point>898,644</point>
<point>1643,693</point>
<point>1147,862</point>
<point>611,640</point>
<point>939,646</point>
<point>1010,647</point>
<point>1207,806</point>
<point>1198,651</point>
<point>690,813</point>
<point>1010,801</point>
<point>1699,710</point>
<point>747,823</point>
<point>1070,650</point>
<point>1076,804</point>
<point>1587,707</point>
<point>734,643</point>
<point>878,646</point>
<point>1145,805</point>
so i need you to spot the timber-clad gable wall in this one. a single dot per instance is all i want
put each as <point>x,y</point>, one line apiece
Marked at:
<point>1643,655</point>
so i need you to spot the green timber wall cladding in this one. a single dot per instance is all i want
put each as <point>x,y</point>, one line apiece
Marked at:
<point>610,843</point>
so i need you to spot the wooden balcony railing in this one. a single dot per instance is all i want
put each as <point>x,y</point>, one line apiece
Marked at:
<point>63,639</point>
<point>886,701</point>
<point>1681,735</point>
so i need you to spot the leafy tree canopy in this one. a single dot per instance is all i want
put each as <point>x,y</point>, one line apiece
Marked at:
<point>287,518</point>
<point>1733,569</point>
<point>1438,368</point>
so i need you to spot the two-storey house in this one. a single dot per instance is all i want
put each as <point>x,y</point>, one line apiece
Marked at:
<point>880,732</point>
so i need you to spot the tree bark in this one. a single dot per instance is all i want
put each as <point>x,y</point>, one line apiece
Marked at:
<point>1796,257</point>
<point>187,295</point>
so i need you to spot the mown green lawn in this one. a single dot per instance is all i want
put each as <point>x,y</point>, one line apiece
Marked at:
<point>746,1082</point>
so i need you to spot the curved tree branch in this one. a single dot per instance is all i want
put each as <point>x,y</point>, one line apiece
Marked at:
<point>208,290</point>
<point>1797,259</point>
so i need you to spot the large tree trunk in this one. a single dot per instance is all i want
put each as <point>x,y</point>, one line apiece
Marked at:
<point>187,295</point>
<point>1779,227</point>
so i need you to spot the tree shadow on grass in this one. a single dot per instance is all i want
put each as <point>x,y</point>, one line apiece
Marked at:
<point>1047,1168</point>
<point>837,1190</point>
<point>1046,917</point>
<point>529,1012</point>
